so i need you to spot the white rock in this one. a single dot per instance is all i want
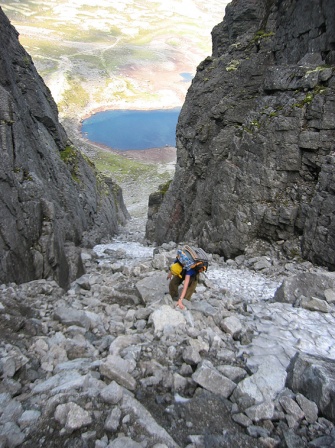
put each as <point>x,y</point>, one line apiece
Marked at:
<point>123,341</point>
<point>112,372</point>
<point>113,420</point>
<point>231,325</point>
<point>263,411</point>
<point>330,295</point>
<point>166,316</point>
<point>160,262</point>
<point>264,385</point>
<point>153,288</point>
<point>211,379</point>
<point>124,442</point>
<point>315,304</point>
<point>72,416</point>
<point>145,421</point>
<point>112,393</point>
<point>28,418</point>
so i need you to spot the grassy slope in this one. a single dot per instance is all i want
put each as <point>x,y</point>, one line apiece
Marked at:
<point>92,56</point>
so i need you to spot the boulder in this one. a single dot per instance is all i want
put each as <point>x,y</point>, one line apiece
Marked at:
<point>305,284</point>
<point>315,304</point>
<point>147,424</point>
<point>314,377</point>
<point>231,325</point>
<point>153,288</point>
<point>211,379</point>
<point>191,355</point>
<point>262,411</point>
<point>330,295</point>
<point>308,407</point>
<point>115,373</point>
<point>112,393</point>
<point>166,317</point>
<point>69,316</point>
<point>72,416</point>
<point>263,385</point>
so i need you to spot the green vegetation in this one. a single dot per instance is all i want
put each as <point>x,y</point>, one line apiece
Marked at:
<point>318,69</point>
<point>123,56</point>
<point>70,155</point>
<point>319,89</point>
<point>91,35</point>
<point>53,49</point>
<point>164,187</point>
<point>255,123</point>
<point>184,28</point>
<point>310,96</point>
<point>7,122</point>
<point>92,61</point>
<point>233,65</point>
<point>75,95</point>
<point>173,41</point>
<point>27,176</point>
<point>123,169</point>
<point>262,34</point>
<point>26,61</point>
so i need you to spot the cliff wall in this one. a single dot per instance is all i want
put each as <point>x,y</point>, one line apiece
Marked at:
<point>51,198</point>
<point>256,136</point>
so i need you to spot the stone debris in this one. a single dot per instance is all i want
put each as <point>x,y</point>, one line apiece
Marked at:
<point>112,362</point>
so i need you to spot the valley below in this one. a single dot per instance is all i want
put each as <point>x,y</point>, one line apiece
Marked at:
<point>116,55</point>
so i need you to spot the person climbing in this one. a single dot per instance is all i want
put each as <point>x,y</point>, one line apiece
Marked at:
<point>190,278</point>
<point>186,268</point>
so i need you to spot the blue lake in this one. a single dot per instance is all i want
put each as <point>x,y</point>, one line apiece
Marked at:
<point>187,77</point>
<point>132,129</point>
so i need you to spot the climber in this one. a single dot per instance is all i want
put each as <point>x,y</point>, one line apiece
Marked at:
<point>190,278</point>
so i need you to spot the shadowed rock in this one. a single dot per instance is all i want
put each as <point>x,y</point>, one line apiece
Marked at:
<point>314,378</point>
<point>52,199</point>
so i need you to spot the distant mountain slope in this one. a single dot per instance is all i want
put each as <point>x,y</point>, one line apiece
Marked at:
<point>51,198</point>
<point>256,136</point>
<point>117,54</point>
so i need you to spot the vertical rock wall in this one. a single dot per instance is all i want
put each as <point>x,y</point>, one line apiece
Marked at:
<point>51,199</point>
<point>256,135</point>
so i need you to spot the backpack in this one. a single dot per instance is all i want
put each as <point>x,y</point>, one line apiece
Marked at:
<point>177,269</point>
<point>193,258</point>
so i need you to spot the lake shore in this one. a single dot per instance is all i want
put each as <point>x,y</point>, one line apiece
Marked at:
<point>162,155</point>
<point>157,155</point>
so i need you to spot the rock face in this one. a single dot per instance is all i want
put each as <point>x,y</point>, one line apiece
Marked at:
<point>51,198</point>
<point>255,137</point>
<point>314,378</point>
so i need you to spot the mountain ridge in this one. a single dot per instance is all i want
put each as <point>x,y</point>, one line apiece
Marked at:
<point>255,137</point>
